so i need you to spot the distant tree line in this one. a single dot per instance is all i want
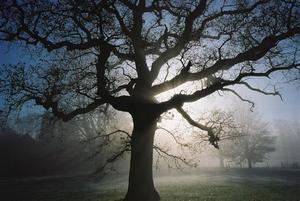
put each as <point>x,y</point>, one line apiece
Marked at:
<point>287,147</point>
<point>55,147</point>
<point>22,155</point>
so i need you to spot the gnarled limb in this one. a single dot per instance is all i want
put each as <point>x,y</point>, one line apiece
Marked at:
<point>213,139</point>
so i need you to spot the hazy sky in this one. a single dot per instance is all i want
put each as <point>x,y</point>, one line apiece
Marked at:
<point>269,107</point>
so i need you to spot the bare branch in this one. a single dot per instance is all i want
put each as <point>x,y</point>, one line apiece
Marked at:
<point>162,153</point>
<point>240,97</point>
<point>119,131</point>
<point>173,136</point>
<point>275,93</point>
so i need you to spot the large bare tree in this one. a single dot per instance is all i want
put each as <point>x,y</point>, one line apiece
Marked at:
<point>125,53</point>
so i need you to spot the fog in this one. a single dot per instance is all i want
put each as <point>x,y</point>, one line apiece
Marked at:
<point>39,144</point>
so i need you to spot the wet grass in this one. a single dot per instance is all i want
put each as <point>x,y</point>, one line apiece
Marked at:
<point>230,192</point>
<point>213,185</point>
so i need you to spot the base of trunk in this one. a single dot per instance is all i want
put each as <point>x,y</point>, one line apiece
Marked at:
<point>150,195</point>
<point>249,164</point>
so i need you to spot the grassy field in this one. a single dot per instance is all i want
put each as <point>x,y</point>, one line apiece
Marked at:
<point>198,185</point>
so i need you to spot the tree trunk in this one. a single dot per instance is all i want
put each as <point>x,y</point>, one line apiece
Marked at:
<point>221,161</point>
<point>249,163</point>
<point>141,186</point>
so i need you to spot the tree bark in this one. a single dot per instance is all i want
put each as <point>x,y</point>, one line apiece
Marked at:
<point>141,186</point>
<point>249,163</point>
<point>221,161</point>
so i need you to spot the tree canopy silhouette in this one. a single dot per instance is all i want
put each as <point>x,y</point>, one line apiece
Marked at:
<point>125,53</point>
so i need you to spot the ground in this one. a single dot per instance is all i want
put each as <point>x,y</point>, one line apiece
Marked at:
<point>261,184</point>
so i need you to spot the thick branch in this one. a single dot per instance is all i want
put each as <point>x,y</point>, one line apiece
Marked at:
<point>191,121</point>
<point>213,139</point>
<point>179,99</point>
<point>68,116</point>
<point>121,103</point>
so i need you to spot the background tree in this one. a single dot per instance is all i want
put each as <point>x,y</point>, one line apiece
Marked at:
<point>287,146</point>
<point>222,127</point>
<point>61,142</point>
<point>125,53</point>
<point>88,138</point>
<point>254,143</point>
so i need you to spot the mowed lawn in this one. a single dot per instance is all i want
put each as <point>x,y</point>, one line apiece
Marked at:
<point>230,193</point>
<point>200,185</point>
